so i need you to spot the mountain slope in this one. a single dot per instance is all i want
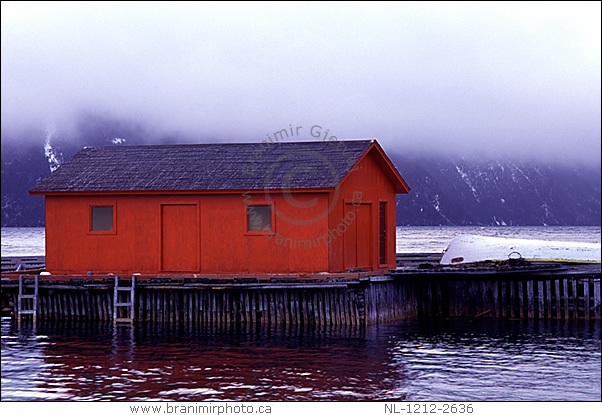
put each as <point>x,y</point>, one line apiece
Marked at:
<point>464,192</point>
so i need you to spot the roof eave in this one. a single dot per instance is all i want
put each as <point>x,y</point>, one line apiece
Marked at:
<point>179,192</point>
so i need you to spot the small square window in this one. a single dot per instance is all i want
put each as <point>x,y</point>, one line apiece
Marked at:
<point>102,218</point>
<point>259,218</point>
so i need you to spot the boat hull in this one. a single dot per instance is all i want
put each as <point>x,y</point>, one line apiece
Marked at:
<point>474,248</point>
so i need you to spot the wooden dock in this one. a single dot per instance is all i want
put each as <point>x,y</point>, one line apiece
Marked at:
<point>201,301</point>
<point>23,263</point>
<point>531,291</point>
<point>417,288</point>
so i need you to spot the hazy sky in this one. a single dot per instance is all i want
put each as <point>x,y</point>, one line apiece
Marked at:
<point>512,78</point>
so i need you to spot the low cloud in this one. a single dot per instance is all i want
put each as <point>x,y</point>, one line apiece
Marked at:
<point>476,79</point>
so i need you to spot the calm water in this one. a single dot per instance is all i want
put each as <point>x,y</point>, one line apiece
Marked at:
<point>23,241</point>
<point>436,238</point>
<point>480,360</point>
<point>415,360</point>
<point>30,241</point>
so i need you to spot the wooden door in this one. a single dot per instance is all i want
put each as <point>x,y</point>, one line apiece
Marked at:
<point>350,239</point>
<point>364,236</point>
<point>180,238</point>
<point>382,233</point>
<point>358,238</point>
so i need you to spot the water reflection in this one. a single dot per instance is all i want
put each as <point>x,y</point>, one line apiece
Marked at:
<point>418,360</point>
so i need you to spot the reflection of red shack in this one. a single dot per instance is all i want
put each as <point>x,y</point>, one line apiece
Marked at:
<point>223,208</point>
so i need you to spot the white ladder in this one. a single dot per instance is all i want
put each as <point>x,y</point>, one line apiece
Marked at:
<point>22,310</point>
<point>128,304</point>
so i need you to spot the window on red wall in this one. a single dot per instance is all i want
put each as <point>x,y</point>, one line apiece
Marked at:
<point>259,218</point>
<point>101,218</point>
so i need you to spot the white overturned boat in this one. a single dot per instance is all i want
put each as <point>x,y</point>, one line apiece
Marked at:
<point>466,249</point>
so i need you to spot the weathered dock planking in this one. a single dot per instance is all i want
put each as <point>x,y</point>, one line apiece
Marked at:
<point>418,288</point>
<point>502,290</point>
<point>23,263</point>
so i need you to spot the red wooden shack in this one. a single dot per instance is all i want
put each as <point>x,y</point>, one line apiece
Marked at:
<point>294,207</point>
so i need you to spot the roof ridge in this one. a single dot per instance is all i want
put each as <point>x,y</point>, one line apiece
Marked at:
<point>355,140</point>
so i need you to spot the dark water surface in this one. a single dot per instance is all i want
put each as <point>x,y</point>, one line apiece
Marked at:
<point>411,360</point>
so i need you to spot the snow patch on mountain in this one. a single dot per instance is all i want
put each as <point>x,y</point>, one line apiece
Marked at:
<point>54,157</point>
<point>466,179</point>
<point>116,140</point>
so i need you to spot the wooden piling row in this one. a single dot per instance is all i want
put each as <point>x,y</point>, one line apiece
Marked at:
<point>350,304</point>
<point>223,307</point>
<point>561,298</point>
<point>202,307</point>
<point>74,305</point>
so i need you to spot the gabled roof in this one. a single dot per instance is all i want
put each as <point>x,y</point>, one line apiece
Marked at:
<point>198,167</point>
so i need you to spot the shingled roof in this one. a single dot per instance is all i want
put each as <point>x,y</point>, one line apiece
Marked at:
<point>186,167</point>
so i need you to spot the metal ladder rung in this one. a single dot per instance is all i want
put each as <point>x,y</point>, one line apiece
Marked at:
<point>123,304</point>
<point>124,288</point>
<point>25,297</point>
<point>26,312</point>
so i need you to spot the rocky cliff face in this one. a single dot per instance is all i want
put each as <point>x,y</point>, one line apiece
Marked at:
<point>444,192</point>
